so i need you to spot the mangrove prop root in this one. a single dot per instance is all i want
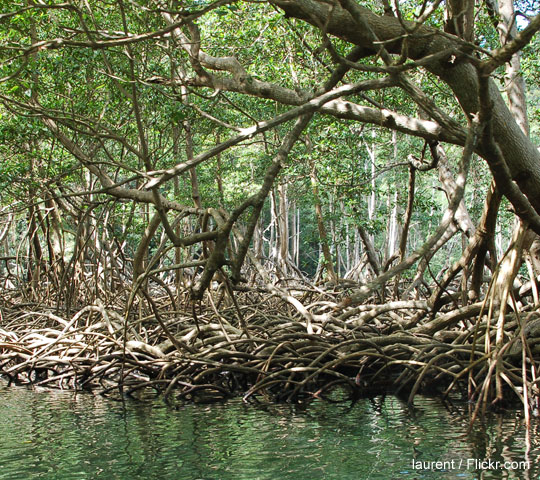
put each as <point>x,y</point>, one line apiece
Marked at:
<point>260,349</point>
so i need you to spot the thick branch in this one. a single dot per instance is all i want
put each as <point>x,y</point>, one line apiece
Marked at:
<point>521,156</point>
<point>309,107</point>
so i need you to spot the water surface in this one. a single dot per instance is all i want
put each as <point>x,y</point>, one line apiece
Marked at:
<point>63,435</point>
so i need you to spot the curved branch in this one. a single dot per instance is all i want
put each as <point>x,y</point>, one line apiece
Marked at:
<point>161,176</point>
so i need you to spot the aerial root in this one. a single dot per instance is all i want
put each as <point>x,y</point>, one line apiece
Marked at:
<point>370,351</point>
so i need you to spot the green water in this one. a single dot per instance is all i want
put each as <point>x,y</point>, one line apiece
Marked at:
<point>60,435</point>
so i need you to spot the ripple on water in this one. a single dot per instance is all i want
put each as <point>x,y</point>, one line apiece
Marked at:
<point>60,435</point>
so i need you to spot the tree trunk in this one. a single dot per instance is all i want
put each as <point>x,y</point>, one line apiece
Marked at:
<point>323,236</point>
<point>283,223</point>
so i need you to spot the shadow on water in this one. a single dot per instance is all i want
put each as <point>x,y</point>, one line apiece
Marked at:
<point>62,435</point>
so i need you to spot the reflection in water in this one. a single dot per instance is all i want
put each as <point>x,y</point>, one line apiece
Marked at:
<point>59,435</point>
